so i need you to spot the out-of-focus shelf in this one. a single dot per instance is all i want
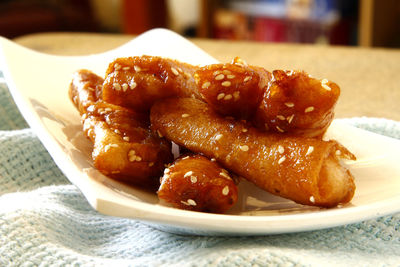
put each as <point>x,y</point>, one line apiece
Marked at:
<point>378,22</point>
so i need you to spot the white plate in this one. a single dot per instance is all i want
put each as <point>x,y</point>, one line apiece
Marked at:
<point>39,85</point>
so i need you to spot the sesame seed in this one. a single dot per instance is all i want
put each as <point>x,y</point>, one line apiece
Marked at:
<point>213,159</point>
<point>244,130</point>
<point>186,157</point>
<point>228,97</point>
<point>191,202</point>
<point>247,78</point>
<point>91,88</point>
<point>137,68</point>
<point>281,117</point>
<point>117,86</point>
<point>281,149</point>
<point>206,85</point>
<point>219,77</point>
<point>226,72</point>
<point>107,147</point>
<point>216,72</point>
<point>133,85</point>
<point>236,95</point>
<point>187,75</point>
<point>226,83</point>
<point>108,109</point>
<point>185,115</point>
<point>117,131</point>
<point>309,109</point>
<point>218,137</point>
<point>166,170</point>
<point>290,118</point>
<point>151,164</point>
<point>309,150</point>
<point>189,173</point>
<point>108,121</point>
<point>338,152</point>
<point>126,138</point>
<point>179,69</point>
<point>230,76</point>
<point>279,129</point>
<point>289,104</point>
<point>312,199</point>
<point>159,134</point>
<point>324,84</point>
<point>125,87</point>
<point>174,71</point>
<point>117,66</point>
<point>225,190</point>
<point>224,174</point>
<point>132,156</point>
<point>281,160</point>
<point>193,179</point>
<point>244,148</point>
<point>220,96</point>
<point>126,68</point>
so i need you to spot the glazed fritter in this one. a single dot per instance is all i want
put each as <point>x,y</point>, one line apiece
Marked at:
<point>124,148</point>
<point>138,82</point>
<point>194,182</point>
<point>305,170</point>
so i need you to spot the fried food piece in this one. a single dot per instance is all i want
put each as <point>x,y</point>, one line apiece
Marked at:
<point>196,183</point>
<point>305,170</point>
<point>85,89</point>
<point>297,104</point>
<point>124,147</point>
<point>138,82</point>
<point>234,89</point>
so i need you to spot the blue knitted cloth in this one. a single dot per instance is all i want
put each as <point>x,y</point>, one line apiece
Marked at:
<point>46,221</point>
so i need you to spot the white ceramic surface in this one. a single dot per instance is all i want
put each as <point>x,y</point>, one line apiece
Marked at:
<point>39,85</point>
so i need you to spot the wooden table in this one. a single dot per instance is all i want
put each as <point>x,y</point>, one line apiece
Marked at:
<point>369,78</point>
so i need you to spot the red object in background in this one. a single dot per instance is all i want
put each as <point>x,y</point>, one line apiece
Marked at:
<point>269,29</point>
<point>142,15</point>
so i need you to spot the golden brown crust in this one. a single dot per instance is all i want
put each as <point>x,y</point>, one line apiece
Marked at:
<point>194,182</point>
<point>124,147</point>
<point>85,88</point>
<point>287,166</point>
<point>232,89</point>
<point>138,82</point>
<point>297,104</point>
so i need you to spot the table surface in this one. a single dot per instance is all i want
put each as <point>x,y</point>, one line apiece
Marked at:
<point>369,78</point>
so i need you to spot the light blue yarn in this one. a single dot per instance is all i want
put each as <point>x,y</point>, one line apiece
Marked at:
<point>51,224</point>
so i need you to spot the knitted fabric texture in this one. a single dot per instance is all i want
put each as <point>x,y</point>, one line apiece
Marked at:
<point>46,221</point>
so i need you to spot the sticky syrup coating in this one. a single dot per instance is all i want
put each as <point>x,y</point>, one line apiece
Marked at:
<point>297,104</point>
<point>138,82</point>
<point>194,182</point>
<point>124,148</point>
<point>305,170</point>
<point>232,89</point>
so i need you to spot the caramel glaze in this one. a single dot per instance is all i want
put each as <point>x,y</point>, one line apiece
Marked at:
<point>305,170</point>
<point>194,182</point>
<point>124,147</point>
<point>138,82</point>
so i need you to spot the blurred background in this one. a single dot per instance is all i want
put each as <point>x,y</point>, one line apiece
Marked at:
<point>369,23</point>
